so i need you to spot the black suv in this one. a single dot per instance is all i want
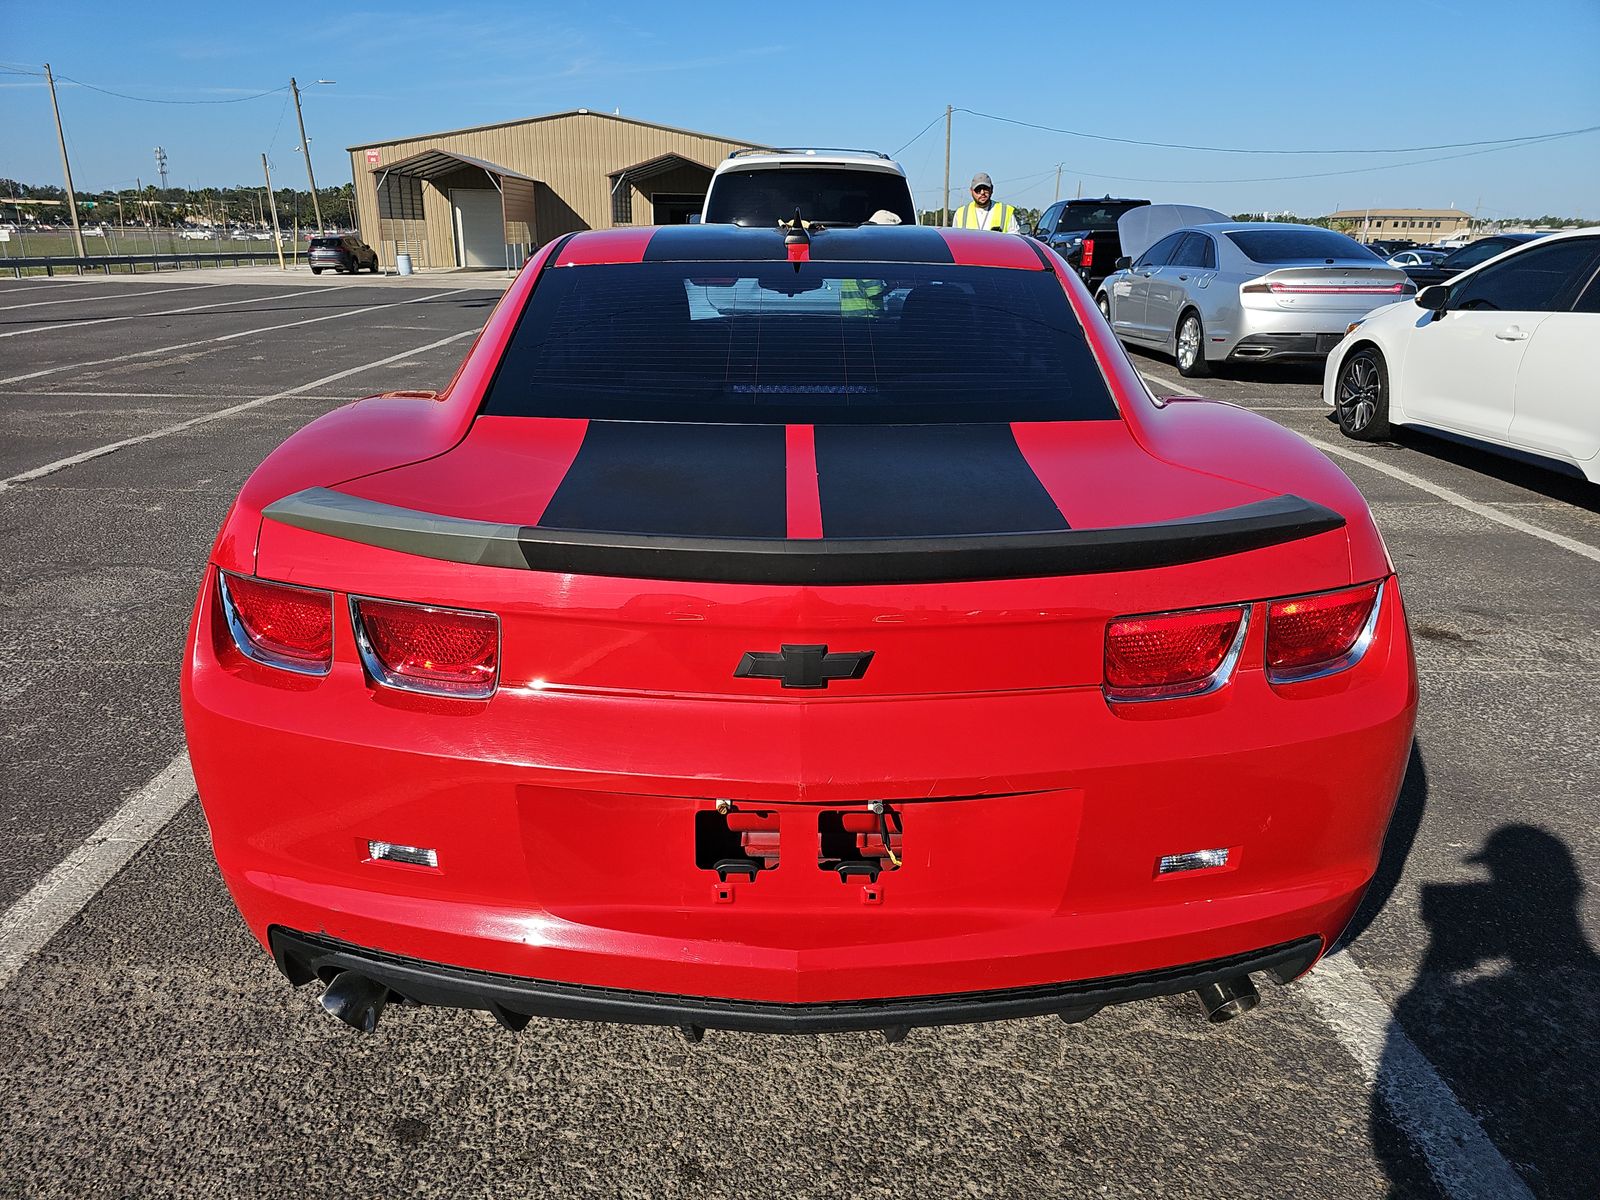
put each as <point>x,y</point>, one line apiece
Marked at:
<point>342,253</point>
<point>1084,232</point>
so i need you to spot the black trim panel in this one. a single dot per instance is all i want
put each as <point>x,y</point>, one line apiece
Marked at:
<point>303,957</point>
<point>674,478</point>
<point>893,481</point>
<point>847,243</point>
<point>825,561</point>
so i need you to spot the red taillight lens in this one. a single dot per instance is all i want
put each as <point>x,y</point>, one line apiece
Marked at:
<point>1088,252</point>
<point>1173,654</point>
<point>1318,635</point>
<point>279,625</point>
<point>417,648</point>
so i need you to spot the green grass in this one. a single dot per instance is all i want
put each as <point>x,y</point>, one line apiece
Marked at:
<point>58,244</point>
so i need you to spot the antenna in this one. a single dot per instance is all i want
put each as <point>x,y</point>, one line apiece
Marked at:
<point>161,166</point>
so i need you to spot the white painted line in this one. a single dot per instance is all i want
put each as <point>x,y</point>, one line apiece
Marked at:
<point>1485,511</point>
<point>16,286</point>
<point>227,337</point>
<point>206,418</point>
<point>51,395</point>
<point>165,312</point>
<point>103,296</point>
<point>38,916</point>
<point>1464,1162</point>
<point>1176,388</point>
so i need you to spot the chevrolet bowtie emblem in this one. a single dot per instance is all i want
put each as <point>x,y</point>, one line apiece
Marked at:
<point>804,666</point>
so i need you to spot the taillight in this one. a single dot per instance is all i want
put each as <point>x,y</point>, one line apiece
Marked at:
<point>1327,289</point>
<point>1312,636</point>
<point>279,625</point>
<point>419,648</point>
<point>1168,655</point>
<point>1088,252</point>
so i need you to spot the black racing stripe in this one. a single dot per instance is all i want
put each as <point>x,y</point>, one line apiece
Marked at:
<point>928,481</point>
<point>678,479</point>
<point>733,243</point>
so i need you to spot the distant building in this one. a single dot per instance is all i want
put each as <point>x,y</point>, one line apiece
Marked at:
<point>1410,224</point>
<point>486,196</point>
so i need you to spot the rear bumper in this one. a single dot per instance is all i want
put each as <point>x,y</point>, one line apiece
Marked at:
<point>1259,346</point>
<point>304,957</point>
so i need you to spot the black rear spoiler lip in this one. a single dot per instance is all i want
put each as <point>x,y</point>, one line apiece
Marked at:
<point>807,562</point>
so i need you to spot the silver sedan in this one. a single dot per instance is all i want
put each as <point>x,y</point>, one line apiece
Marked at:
<point>1207,294</point>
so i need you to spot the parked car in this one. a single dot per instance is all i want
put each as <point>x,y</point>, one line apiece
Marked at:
<point>196,235</point>
<point>1387,247</point>
<point>1415,258</point>
<point>1501,356</point>
<point>690,665</point>
<point>1457,261</point>
<point>1084,232</point>
<point>343,253</point>
<point>833,187</point>
<point>1219,291</point>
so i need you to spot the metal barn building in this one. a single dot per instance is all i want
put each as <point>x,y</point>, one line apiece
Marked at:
<point>484,197</point>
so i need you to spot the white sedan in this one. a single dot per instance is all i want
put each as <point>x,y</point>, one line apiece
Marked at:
<point>1502,356</point>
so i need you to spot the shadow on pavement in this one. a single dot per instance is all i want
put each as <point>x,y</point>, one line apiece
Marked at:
<point>1506,1005</point>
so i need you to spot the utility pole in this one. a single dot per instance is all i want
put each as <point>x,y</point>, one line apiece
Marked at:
<point>277,238</point>
<point>944,213</point>
<point>161,166</point>
<point>66,167</point>
<point>305,145</point>
<point>1058,181</point>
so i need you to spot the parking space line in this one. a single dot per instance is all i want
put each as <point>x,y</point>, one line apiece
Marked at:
<point>29,924</point>
<point>164,312</point>
<point>1177,388</point>
<point>148,395</point>
<point>102,296</point>
<point>226,337</point>
<point>1485,511</point>
<point>206,418</point>
<point>1464,1162</point>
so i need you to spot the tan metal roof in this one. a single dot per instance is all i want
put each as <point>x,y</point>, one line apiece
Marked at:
<point>571,112</point>
<point>656,165</point>
<point>430,164</point>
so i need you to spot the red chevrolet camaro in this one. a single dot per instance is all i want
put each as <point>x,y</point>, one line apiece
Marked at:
<point>796,632</point>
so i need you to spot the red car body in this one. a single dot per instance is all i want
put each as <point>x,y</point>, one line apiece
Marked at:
<point>637,720</point>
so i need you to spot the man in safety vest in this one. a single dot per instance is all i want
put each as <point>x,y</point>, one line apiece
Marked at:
<point>983,213</point>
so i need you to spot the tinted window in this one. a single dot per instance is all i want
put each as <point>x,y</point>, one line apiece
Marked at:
<point>326,243</point>
<point>1543,279</point>
<point>1047,223</point>
<point>1297,244</point>
<point>774,343</point>
<point>1196,251</point>
<point>1161,252</point>
<point>1471,256</point>
<point>1093,216</point>
<point>832,196</point>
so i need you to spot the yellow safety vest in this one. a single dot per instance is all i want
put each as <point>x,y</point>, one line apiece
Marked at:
<point>862,297</point>
<point>969,216</point>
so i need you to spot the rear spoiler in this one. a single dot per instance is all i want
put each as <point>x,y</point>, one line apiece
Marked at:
<point>818,561</point>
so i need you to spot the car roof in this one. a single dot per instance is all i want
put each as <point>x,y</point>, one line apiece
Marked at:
<point>798,156</point>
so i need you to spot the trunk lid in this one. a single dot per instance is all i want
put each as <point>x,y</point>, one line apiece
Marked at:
<point>1343,287</point>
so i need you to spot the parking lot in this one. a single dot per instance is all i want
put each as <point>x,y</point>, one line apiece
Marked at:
<point>1450,1048</point>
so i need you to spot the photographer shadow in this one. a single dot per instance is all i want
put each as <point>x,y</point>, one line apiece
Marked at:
<point>1506,1006</point>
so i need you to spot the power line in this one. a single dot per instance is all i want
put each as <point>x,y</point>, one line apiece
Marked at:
<point>149,100</point>
<point>925,129</point>
<point>1102,137</point>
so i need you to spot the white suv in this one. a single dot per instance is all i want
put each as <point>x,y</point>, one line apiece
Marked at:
<point>833,187</point>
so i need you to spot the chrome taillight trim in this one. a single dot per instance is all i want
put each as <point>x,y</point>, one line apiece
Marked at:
<point>381,674</point>
<point>1200,687</point>
<point>1358,648</point>
<point>246,647</point>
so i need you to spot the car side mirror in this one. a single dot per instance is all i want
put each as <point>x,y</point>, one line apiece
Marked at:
<point>1124,263</point>
<point>1435,299</point>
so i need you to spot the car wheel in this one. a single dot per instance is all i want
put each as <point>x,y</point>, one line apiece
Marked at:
<point>1103,303</point>
<point>316,270</point>
<point>1361,396</point>
<point>1192,347</point>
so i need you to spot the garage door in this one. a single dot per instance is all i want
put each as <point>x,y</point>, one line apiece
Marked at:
<point>480,230</point>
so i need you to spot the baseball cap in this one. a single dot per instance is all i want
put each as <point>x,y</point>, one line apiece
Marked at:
<point>983,179</point>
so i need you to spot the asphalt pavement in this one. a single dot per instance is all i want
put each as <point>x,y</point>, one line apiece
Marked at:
<point>1449,1049</point>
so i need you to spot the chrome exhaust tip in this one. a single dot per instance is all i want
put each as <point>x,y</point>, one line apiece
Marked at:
<point>356,1000</point>
<point>1228,998</point>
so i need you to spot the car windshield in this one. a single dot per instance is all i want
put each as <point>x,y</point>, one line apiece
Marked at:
<point>327,243</point>
<point>1297,245</point>
<point>815,343</point>
<point>830,195</point>
<point>1096,216</point>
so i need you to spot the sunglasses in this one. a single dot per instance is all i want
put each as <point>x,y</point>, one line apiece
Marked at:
<point>983,187</point>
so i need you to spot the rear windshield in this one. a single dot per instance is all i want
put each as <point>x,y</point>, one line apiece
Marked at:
<point>815,343</point>
<point>1297,245</point>
<point>327,243</point>
<point>1093,216</point>
<point>830,195</point>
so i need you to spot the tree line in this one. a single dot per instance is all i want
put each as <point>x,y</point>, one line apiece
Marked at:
<point>178,206</point>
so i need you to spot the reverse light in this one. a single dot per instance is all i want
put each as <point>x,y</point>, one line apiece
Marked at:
<point>1312,636</point>
<point>420,648</point>
<point>1194,860</point>
<point>1165,656</point>
<point>412,856</point>
<point>279,625</point>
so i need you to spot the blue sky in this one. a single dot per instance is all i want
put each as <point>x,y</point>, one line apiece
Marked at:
<point>1284,76</point>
